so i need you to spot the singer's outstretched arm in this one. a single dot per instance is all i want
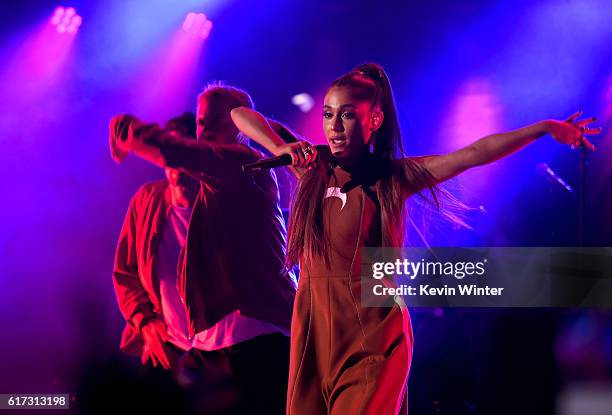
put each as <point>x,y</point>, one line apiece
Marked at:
<point>496,146</point>
<point>254,125</point>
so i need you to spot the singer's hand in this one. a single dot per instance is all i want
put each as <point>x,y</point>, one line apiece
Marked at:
<point>572,131</point>
<point>303,154</point>
<point>119,128</point>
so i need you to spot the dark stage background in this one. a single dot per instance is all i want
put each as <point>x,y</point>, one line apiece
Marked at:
<point>460,69</point>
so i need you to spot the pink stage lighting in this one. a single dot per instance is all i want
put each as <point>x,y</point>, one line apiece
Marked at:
<point>197,24</point>
<point>66,20</point>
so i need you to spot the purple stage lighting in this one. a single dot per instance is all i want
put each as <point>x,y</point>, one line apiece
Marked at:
<point>303,101</point>
<point>66,20</point>
<point>197,24</point>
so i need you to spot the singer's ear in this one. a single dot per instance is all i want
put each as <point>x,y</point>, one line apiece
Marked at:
<point>376,119</point>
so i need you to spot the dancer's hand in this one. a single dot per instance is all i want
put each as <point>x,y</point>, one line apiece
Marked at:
<point>155,335</point>
<point>303,154</point>
<point>119,132</point>
<point>573,131</point>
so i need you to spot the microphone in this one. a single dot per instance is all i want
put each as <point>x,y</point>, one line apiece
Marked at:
<point>545,170</point>
<point>269,163</point>
<point>323,153</point>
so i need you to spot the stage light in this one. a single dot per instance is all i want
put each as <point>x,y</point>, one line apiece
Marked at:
<point>66,20</point>
<point>303,101</point>
<point>57,15</point>
<point>197,24</point>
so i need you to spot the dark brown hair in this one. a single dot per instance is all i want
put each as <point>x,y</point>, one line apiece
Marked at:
<point>401,176</point>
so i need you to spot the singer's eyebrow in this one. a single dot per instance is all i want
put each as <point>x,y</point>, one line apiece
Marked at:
<point>341,106</point>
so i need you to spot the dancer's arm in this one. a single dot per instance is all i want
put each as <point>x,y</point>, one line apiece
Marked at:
<point>133,300</point>
<point>130,135</point>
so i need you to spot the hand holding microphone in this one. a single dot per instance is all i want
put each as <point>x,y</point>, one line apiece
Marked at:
<point>300,154</point>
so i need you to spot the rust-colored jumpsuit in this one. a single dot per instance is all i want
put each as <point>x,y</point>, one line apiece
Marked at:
<point>346,358</point>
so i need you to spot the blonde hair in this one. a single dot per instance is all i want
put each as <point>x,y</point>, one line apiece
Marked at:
<point>235,96</point>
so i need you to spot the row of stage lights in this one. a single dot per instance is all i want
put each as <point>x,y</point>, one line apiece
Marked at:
<point>66,20</point>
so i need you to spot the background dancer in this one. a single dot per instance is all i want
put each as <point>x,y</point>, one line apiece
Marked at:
<point>232,298</point>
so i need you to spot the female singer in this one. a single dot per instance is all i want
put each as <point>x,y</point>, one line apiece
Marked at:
<point>347,358</point>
